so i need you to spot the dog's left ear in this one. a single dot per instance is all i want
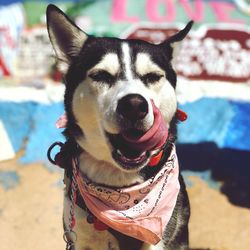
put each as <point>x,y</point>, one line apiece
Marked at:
<point>175,40</point>
<point>66,38</point>
<point>181,34</point>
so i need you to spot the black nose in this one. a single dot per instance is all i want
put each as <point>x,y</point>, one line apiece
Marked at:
<point>133,107</point>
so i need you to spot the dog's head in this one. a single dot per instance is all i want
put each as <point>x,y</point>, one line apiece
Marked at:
<point>115,88</point>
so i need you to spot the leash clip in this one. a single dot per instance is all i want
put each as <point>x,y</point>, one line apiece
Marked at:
<point>60,144</point>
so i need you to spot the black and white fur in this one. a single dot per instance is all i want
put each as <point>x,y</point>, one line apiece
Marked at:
<point>102,76</point>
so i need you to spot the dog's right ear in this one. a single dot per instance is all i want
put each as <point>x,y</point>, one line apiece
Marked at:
<point>66,38</point>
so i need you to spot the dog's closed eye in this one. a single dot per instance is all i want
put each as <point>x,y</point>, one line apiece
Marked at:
<point>102,76</point>
<point>151,77</point>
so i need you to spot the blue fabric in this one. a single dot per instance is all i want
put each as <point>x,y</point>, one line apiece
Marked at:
<point>208,121</point>
<point>238,131</point>
<point>224,122</point>
<point>43,133</point>
<point>17,120</point>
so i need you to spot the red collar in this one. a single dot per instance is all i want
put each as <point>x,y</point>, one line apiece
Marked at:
<point>155,159</point>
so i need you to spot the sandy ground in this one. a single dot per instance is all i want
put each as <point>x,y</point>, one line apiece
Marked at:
<point>30,214</point>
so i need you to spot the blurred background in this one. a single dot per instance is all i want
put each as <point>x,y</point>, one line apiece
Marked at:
<point>213,66</point>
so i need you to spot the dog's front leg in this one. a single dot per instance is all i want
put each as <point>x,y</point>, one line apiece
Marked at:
<point>87,236</point>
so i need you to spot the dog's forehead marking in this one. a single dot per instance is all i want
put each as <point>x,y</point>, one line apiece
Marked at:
<point>126,59</point>
<point>109,62</point>
<point>144,65</point>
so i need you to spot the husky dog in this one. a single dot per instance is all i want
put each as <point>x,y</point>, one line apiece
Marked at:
<point>115,89</point>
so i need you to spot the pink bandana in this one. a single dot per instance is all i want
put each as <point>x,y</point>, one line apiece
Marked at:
<point>141,211</point>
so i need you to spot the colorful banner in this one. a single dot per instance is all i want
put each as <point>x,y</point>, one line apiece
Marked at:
<point>212,52</point>
<point>220,34</point>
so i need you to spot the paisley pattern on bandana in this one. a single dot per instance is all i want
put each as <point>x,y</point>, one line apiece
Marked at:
<point>141,211</point>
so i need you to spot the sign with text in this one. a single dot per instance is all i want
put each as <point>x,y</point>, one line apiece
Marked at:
<point>221,52</point>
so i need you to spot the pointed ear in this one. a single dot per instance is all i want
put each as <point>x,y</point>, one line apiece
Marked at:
<point>172,44</point>
<point>66,38</point>
<point>181,34</point>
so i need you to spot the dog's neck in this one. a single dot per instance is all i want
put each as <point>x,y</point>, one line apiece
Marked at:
<point>105,173</point>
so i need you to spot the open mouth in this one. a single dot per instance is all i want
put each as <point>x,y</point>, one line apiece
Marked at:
<point>133,148</point>
<point>127,157</point>
<point>130,163</point>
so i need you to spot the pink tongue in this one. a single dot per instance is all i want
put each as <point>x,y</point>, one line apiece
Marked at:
<point>154,138</point>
